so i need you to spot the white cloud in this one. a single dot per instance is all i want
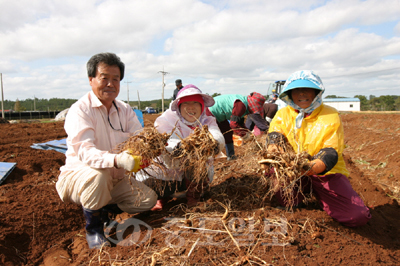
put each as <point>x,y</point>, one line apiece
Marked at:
<point>397,29</point>
<point>230,46</point>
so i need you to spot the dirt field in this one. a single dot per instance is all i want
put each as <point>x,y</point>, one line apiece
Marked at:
<point>37,228</point>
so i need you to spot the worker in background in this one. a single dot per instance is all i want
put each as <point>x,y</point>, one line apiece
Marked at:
<point>234,107</point>
<point>310,126</point>
<point>269,111</point>
<point>273,98</point>
<point>93,175</point>
<point>179,86</point>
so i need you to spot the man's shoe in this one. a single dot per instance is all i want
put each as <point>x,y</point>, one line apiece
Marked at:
<point>94,229</point>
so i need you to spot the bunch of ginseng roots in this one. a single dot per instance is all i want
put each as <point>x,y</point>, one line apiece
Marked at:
<point>284,172</point>
<point>195,151</point>
<point>148,143</point>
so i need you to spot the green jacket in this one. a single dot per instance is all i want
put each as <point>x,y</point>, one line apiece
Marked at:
<point>222,109</point>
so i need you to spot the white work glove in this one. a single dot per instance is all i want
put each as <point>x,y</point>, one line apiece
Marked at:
<point>131,163</point>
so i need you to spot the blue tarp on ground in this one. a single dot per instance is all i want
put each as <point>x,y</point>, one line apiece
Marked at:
<point>139,116</point>
<point>5,170</point>
<point>61,145</point>
<point>57,145</point>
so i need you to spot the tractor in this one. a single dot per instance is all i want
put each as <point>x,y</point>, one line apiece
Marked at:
<point>275,87</point>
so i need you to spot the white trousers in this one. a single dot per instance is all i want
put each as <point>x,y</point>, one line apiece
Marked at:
<point>95,188</point>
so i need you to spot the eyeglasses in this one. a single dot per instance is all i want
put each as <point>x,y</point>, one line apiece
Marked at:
<point>108,118</point>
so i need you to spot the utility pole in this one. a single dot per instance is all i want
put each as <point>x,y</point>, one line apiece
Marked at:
<point>138,99</point>
<point>2,96</point>
<point>127,87</point>
<point>34,103</point>
<point>163,86</point>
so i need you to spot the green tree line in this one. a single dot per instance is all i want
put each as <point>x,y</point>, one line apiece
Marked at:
<point>372,103</point>
<point>58,104</point>
<point>54,104</point>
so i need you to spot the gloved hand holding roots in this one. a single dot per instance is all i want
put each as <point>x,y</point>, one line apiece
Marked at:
<point>130,162</point>
<point>142,149</point>
<point>284,167</point>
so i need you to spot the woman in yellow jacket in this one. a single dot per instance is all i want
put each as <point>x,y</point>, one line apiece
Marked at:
<point>309,125</point>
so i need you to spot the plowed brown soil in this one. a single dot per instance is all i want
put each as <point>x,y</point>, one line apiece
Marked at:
<point>37,228</point>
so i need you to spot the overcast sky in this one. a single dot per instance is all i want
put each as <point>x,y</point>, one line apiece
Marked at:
<point>229,47</point>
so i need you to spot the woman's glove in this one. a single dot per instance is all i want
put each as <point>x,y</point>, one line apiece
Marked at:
<point>129,162</point>
<point>177,151</point>
<point>277,142</point>
<point>317,167</point>
<point>216,148</point>
<point>328,157</point>
<point>248,136</point>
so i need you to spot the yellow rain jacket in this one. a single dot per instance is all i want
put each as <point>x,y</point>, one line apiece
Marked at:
<point>322,129</point>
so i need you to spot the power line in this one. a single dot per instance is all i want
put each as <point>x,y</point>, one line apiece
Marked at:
<point>2,96</point>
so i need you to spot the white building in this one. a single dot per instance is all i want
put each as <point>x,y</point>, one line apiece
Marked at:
<point>343,104</point>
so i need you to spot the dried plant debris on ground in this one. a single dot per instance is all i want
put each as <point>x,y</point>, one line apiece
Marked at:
<point>31,206</point>
<point>218,235</point>
<point>221,230</point>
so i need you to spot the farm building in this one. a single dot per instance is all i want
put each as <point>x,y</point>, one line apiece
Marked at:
<point>343,104</point>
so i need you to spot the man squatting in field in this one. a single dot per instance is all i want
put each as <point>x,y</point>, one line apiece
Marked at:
<point>93,176</point>
<point>186,113</point>
<point>309,125</point>
<point>234,107</point>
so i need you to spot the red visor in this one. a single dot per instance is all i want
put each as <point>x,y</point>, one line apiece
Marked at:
<point>192,98</point>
